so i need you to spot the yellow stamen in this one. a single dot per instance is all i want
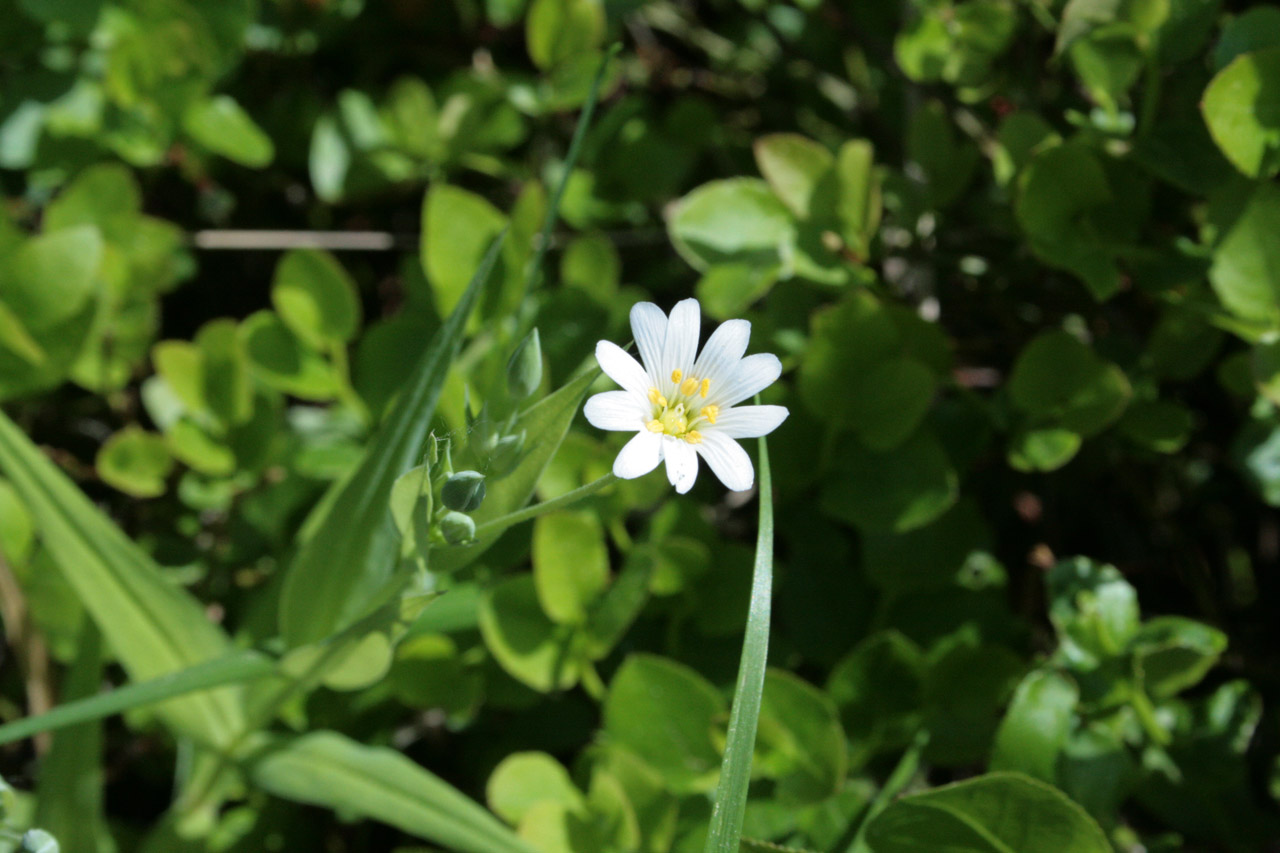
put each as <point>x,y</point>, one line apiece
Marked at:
<point>711,413</point>
<point>706,384</point>
<point>693,437</point>
<point>676,375</point>
<point>655,426</point>
<point>689,386</point>
<point>655,397</point>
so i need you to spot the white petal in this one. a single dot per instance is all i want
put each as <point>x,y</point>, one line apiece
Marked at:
<point>617,410</point>
<point>682,463</point>
<point>681,345</point>
<point>728,460</point>
<point>747,421</point>
<point>639,456</point>
<point>750,376</point>
<point>622,368</point>
<point>649,328</point>
<point>722,350</point>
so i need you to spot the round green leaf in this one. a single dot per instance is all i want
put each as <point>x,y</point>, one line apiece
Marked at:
<point>894,491</point>
<point>793,165</point>
<point>1242,108</point>
<point>316,297</point>
<point>556,30</point>
<point>281,360</point>
<point>1246,263</point>
<point>222,126</point>
<point>524,779</point>
<point>135,461</point>
<point>523,640</point>
<point>570,564</point>
<point>738,220</point>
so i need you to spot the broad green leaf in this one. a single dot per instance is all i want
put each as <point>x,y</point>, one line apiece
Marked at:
<point>1172,653</point>
<point>846,341</point>
<point>1242,108</point>
<point>995,813</point>
<point>889,400</point>
<point>1034,730</point>
<point>525,779</point>
<point>744,716</point>
<point>232,668</point>
<point>556,30</point>
<point>329,770</point>
<point>70,793</point>
<point>316,298</point>
<point>967,684</point>
<point>523,640</point>
<point>429,672</point>
<point>457,228</point>
<point>1060,381</point>
<point>544,424</point>
<point>738,220</point>
<point>1160,425</point>
<point>228,390</point>
<point>152,626</point>
<point>1255,28</point>
<point>1043,449</point>
<point>728,290</point>
<point>801,744</point>
<point>329,159</point>
<point>106,195</point>
<point>878,690</point>
<point>281,360</point>
<point>668,714</point>
<point>614,612</point>
<point>591,263</point>
<point>193,445</point>
<point>135,461</point>
<point>894,491</point>
<point>1246,262</point>
<point>793,165</point>
<point>50,278</point>
<point>946,160</point>
<point>859,203</point>
<point>570,563</point>
<point>347,565</point>
<point>221,125</point>
<point>928,558</point>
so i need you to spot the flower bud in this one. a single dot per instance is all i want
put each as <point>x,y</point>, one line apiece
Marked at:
<point>463,491</point>
<point>457,528</point>
<point>524,370</point>
<point>505,454</point>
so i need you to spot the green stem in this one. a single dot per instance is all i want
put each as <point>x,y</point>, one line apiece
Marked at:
<point>901,776</point>
<point>501,523</point>
<point>575,146</point>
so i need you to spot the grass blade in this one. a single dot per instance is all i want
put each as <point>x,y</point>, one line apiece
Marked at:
<point>234,668</point>
<point>331,770</point>
<point>153,627</point>
<point>347,566</point>
<point>735,771</point>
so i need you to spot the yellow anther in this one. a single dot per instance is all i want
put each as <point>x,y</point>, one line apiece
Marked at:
<point>655,397</point>
<point>693,437</point>
<point>689,386</point>
<point>711,413</point>
<point>677,375</point>
<point>655,425</point>
<point>706,384</point>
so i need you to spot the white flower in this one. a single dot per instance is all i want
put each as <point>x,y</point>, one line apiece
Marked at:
<point>681,407</point>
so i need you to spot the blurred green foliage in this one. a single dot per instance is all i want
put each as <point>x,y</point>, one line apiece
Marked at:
<point>1019,259</point>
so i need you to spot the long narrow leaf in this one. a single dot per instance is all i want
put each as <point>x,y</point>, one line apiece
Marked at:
<point>329,769</point>
<point>234,668</point>
<point>343,570</point>
<point>735,771</point>
<point>151,626</point>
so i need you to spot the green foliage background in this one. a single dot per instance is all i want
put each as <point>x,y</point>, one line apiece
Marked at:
<point>1019,259</point>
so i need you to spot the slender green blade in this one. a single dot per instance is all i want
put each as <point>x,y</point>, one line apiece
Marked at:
<point>735,771</point>
<point>151,626</point>
<point>347,566</point>
<point>233,668</point>
<point>331,770</point>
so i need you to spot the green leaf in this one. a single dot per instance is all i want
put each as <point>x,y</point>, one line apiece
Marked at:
<point>556,30</point>
<point>51,278</point>
<point>667,714</point>
<point>735,771</point>
<point>152,626</point>
<point>524,779</point>
<point>738,220</point>
<point>928,558</point>
<point>329,159</point>
<point>523,640</point>
<point>232,668</point>
<point>135,461</point>
<point>947,162</point>
<point>329,770</point>
<point>1160,425</point>
<point>1242,108</point>
<point>591,263</point>
<point>801,743</point>
<point>570,564</point>
<point>222,126</point>
<point>347,565</point>
<point>793,165</point>
<point>1246,262</point>
<point>1093,608</point>
<point>1172,653</point>
<point>1057,379</point>
<point>227,388</point>
<point>877,688</point>
<point>966,685</point>
<point>1034,730</point>
<point>728,290</point>
<point>1253,29</point>
<point>894,491</point>
<point>1044,449</point>
<point>457,228</point>
<point>859,205</point>
<point>281,360</point>
<point>316,298</point>
<point>995,813</point>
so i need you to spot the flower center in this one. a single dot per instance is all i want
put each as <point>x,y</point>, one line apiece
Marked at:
<point>683,412</point>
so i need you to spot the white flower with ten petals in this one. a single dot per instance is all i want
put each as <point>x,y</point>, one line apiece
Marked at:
<point>680,406</point>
